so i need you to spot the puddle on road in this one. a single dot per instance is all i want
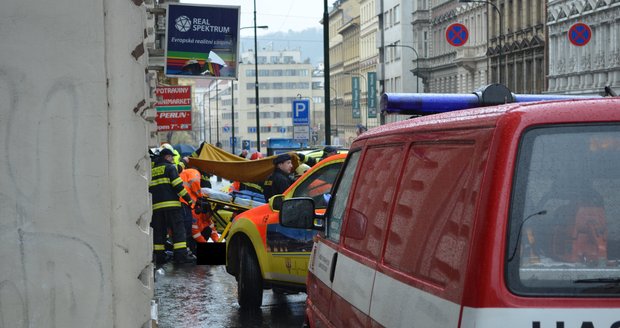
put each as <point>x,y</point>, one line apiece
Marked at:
<point>206,296</point>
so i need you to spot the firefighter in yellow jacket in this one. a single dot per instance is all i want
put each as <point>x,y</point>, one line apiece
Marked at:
<point>166,187</point>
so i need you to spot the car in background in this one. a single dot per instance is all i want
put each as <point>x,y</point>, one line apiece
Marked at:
<point>262,254</point>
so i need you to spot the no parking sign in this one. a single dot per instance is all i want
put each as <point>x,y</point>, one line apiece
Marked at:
<point>579,34</point>
<point>457,34</point>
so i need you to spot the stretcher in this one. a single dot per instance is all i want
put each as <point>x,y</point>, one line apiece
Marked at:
<point>226,206</point>
<point>222,214</point>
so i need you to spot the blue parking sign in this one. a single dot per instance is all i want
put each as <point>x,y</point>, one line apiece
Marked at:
<point>301,110</point>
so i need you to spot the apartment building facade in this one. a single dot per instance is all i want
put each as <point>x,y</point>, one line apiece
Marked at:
<point>585,69</point>
<point>283,76</point>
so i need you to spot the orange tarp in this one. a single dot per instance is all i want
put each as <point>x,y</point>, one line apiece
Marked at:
<point>229,166</point>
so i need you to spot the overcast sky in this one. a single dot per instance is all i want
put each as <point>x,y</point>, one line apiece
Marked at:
<point>279,15</point>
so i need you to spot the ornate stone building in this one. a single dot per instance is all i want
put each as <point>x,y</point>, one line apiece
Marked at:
<point>584,69</point>
<point>513,39</point>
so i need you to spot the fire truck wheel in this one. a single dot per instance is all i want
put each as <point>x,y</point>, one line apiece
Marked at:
<point>250,283</point>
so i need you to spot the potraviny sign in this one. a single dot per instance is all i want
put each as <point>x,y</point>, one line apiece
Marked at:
<point>174,108</point>
<point>202,41</point>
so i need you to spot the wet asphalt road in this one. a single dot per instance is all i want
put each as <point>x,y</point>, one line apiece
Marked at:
<point>206,296</point>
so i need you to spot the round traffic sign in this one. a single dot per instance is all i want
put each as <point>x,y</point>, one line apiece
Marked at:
<point>579,34</point>
<point>457,34</point>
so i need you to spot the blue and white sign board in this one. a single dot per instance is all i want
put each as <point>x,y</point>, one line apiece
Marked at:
<point>301,110</point>
<point>301,132</point>
<point>301,119</point>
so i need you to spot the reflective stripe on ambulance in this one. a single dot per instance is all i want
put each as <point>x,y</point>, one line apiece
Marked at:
<point>392,303</point>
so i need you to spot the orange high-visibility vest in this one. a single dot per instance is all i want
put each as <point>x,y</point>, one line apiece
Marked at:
<point>191,182</point>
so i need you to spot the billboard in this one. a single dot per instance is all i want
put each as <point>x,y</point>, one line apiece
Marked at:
<point>202,41</point>
<point>174,108</point>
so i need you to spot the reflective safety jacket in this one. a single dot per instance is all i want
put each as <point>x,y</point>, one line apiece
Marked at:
<point>191,182</point>
<point>166,186</point>
<point>199,223</point>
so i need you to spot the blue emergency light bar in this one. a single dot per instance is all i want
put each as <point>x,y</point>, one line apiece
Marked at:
<point>432,103</point>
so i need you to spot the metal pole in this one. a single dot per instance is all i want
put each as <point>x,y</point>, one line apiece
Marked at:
<point>256,82</point>
<point>499,37</point>
<point>217,111</point>
<point>210,140</point>
<point>232,110</point>
<point>335,108</point>
<point>417,85</point>
<point>326,74</point>
<point>202,118</point>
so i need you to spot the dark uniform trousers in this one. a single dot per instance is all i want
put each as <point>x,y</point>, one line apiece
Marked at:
<point>162,219</point>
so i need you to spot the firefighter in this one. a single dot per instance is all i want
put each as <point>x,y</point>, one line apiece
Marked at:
<point>199,219</point>
<point>329,151</point>
<point>166,187</point>
<point>279,180</point>
<point>176,157</point>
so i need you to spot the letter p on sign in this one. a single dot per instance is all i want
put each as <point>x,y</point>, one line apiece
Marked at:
<point>299,107</point>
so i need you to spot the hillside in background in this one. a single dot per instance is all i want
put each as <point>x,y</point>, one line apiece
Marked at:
<point>309,41</point>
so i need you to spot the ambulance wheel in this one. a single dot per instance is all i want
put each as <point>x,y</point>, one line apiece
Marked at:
<point>250,282</point>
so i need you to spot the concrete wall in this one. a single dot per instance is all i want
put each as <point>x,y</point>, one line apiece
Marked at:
<point>74,202</point>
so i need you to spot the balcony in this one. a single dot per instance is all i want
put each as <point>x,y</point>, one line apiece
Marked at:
<point>468,56</point>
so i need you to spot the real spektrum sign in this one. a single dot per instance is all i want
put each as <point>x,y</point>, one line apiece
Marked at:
<point>202,41</point>
<point>174,108</point>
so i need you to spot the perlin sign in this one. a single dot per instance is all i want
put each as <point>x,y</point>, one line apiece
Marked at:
<point>202,41</point>
<point>174,108</point>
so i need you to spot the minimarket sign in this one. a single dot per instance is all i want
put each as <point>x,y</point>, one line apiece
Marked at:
<point>202,41</point>
<point>174,108</point>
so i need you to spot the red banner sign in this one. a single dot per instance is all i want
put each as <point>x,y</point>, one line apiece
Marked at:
<point>174,108</point>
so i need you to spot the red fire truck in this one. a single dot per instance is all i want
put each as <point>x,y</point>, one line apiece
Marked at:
<point>498,216</point>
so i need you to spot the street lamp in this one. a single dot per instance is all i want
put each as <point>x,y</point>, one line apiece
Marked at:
<point>202,117</point>
<point>217,112</point>
<point>256,81</point>
<point>417,85</point>
<point>499,13</point>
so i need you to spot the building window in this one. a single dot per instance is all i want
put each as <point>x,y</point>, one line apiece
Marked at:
<point>396,14</point>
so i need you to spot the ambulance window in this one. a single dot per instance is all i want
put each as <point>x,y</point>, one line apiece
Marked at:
<point>372,198</point>
<point>318,184</point>
<point>564,236</point>
<point>432,218</point>
<point>339,198</point>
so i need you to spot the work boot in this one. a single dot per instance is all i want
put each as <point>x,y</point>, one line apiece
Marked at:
<point>160,258</point>
<point>184,257</point>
